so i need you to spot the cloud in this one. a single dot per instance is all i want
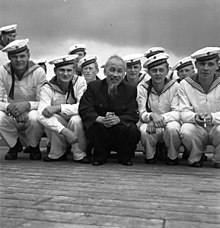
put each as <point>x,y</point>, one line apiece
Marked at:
<point>181,27</point>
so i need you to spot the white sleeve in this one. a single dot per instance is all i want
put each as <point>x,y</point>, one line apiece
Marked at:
<point>51,123</point>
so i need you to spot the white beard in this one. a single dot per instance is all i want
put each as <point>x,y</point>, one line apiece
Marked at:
<point>112,90</point>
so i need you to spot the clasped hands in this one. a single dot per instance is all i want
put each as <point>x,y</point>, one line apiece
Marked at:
<point>109,120</point>
<point>203,119</point>
<point>156,121</point>
<point>19,111</point>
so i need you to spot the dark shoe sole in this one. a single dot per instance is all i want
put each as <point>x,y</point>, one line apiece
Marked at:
<point>126,163</point>
<point>217,165</point>
<point>172,162</point>
<point>62,158</point>
<point>196,164</point>
<point>85,160</point>
<point>10,157</point>
<point>150,161</point>
<point>35,157</point>
<point>96,163</point>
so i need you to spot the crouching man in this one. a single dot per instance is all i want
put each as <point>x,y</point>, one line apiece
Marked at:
<point>109,112</point>
<point>159,110</point>
<point>22,80</point>
<point>200,107</point>
<point>58,111</point>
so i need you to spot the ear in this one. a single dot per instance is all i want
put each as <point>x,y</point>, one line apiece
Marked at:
<point>196,63</point>
<point>177,72</point>
<point>9,57</point>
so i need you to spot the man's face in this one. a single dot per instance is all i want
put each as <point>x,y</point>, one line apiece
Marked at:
<point>80,54</point>
<point>133,70</point>
<point>158,73</point>
<point>89,72</point>
<point>8,38</point>
<point>187,71</point>
<point>64,73</point>
<point>19,61</point>
<point>207,68</point>
<point>115,72</point>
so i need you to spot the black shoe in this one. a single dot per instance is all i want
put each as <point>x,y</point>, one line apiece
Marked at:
<point>12,154</point>
<point>217,165</point>
<point>150,161</point>
<point>172,162</point>
<point>62,158</point>
<point>35,153</point>
<point>126,163</point>
<point>98,163</point>
<point>84,160</point>
<point>197,164</point>
<point>27,150</point>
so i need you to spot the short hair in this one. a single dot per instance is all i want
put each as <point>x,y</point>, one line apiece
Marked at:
<point>115,57</point>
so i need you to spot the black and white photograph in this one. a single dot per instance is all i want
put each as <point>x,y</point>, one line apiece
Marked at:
<point>109,113</point>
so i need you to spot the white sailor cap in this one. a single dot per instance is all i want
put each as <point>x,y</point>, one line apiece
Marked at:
<point>16,46</point>
<point>8,29</point>
<point>206,53</point>
<point>153,51</point>
<point>132,59</point>
<point>63,60</point>
<point>187,61</point>
<point>76,47</point>
<point>86,60</point>
<point>156,60</point>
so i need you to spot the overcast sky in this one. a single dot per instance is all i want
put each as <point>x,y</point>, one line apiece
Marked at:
<point>114,26</point>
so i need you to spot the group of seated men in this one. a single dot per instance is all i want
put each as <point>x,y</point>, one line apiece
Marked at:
<point>91,117</point>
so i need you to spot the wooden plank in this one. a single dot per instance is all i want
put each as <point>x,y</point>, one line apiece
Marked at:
<point>35,193</point>
<point>81,218</point>
<point>186,224</point>
<point>114,223</point>
<point>155,212</point>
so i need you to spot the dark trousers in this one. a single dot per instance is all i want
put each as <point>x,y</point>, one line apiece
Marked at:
<point>119,138</point>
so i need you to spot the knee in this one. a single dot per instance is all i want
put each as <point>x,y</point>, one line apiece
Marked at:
<point>75,120</point>
<point>187,130</point>
<point>134,132</point>
<point>216,132</point>
<point>3,116</point>
<point>143,128</point>
<point>173,128</point>
<point>218,129</point>
<point>33,118</point>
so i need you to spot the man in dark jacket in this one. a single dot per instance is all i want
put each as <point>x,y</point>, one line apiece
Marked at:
<point>108,110</point>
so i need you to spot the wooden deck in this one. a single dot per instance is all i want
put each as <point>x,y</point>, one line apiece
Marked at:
<point>67,194</point>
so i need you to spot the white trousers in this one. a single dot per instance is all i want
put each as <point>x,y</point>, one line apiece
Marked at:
<point>30,132</point>
<point>194,138</point>
<point>59,143</point>
<point>170,136</point>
